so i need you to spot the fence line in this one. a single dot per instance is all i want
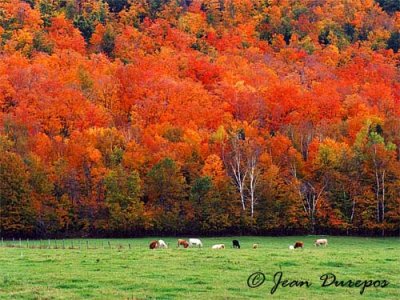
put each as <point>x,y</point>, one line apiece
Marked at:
<point>60,244</point>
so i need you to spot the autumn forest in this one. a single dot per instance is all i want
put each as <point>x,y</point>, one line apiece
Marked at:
<point>211,117</point>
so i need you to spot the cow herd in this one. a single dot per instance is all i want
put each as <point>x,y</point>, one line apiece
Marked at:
<point>317,243</point>
<point>197,243</point>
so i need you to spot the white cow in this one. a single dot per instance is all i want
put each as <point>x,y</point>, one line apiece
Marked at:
<point>321,242</point>
<point>195,243</point>
<point>162,244</point>
<point>218,246</point>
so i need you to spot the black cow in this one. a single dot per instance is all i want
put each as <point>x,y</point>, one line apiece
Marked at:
<point>236,244</point>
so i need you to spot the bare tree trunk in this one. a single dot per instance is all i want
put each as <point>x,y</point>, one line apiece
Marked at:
<point>239,179</point>
<point>253,174</point>
<point>313,215</point>
<point>311,199</point>
<point>238,173</point>
<point>377,187</point>
<point>352,210</point>
<point>252,198</point>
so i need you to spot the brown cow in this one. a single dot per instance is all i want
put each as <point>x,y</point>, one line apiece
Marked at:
<point>154,245</point>
<point>183,243</point>
<point>299,245</point>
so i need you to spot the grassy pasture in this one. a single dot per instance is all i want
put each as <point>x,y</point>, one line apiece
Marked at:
<point>140,273</point>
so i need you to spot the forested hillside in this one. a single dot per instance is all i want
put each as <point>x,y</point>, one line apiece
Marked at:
<point>133,117</point>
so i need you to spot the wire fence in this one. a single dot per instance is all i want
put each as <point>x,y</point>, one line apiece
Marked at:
<point>61,244</point>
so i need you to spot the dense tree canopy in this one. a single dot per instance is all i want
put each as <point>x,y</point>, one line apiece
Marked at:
<point>132,117</point>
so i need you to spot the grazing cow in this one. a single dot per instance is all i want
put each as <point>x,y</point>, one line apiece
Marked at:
<point>154,245</point>
<point>218,246</point>
<point>291,247</point>
<point>162,244</point>
<point>236,244</point>
<point>183,243</point>
<point>298,245</point>
<point>321,242</point>
<point>255,246</point>
<point>195,242</point>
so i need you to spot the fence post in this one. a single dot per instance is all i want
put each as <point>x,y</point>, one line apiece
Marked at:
<point>63,244</point>
<point>20,243</point>
<point>49,244</point>
<point>109,244</point>
<point>87,244</point>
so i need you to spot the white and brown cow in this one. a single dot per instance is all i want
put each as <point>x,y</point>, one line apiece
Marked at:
<point>162,244</point>
<point>218,246</point>
<point>195,243</point>
<point>154,245</point>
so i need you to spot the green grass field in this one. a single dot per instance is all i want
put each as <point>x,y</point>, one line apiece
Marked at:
<point>141,273</point>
